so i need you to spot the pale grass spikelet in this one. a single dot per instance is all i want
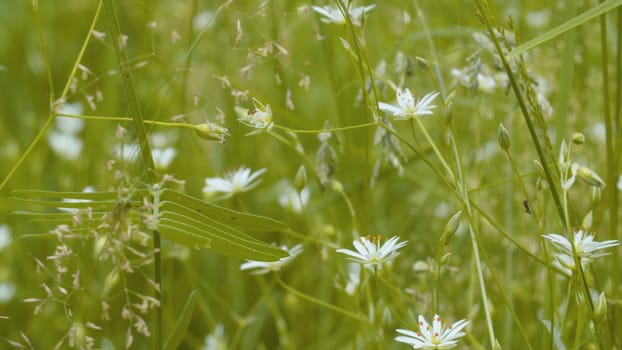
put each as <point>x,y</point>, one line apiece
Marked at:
<point>438,336</point>
<point>264,267</point>
<point>409,107</point>
<point>371,254</point>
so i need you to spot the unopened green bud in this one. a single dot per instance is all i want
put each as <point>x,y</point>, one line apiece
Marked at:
<point>336,186</point>
<point>503,137</point>
<point>587,221</point>
<point>211,132</point>
<point>578,138</point>
<point>539,169</point>
<point>450,228</point>
<point>600,309</point>
<point>590,177</point>
<point>445,258</point>
<point>301,178</point>
<point>597,194</point>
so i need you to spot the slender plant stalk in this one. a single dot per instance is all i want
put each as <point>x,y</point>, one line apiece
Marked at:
<point>53,111</point>
<point>135,111</point>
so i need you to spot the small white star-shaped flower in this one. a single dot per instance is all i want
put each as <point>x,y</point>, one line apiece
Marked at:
<point>332,14</point>
<point>587,249</point>
<point>259,117</point>
<point>263,267</point>
<point>370,253</point>
<point>407,107</point>
<point>439,336</point>
<point>233,182</point>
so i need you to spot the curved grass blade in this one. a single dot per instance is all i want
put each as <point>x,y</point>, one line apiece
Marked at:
<point>592,13</point>
<point>224,239</point>
<point>244,221</point>
<point>103,195</point>
<point>182,323</point>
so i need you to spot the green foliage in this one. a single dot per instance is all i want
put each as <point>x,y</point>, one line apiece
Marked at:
<point>259,137</point>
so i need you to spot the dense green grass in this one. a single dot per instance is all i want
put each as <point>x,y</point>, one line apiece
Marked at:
<point>93,282</point>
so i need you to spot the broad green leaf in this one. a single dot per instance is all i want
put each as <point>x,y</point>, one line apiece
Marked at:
<point>182,323</point>
<point>172,231</point>
<point>594,12</point>
<point>223,239</point>
<point>244,221</point>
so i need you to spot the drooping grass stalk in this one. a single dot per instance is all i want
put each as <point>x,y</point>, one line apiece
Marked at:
<point>566,73</point>
<point>611,128</point>
<point>53,100</point>
<point>135,111</point>
<point>484,11</point>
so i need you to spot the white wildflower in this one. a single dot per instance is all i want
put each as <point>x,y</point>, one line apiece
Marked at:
<point>332,14</point>
<point>162,158</point>
<point>234,182</point>
<point>263,267</point>
<point>407,107</point>
<point>438,336</point>
<point>216,340</point>
<point>7,291</point>
<point>370,253</point>
<point>587,249</point>
<point>259,117</point>
<point>67,146</point>
<point>5,236</point>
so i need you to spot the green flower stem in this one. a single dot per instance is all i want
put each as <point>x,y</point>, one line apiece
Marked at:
<point>438,153</point>
<point>482,6</point>
<point>134,106</point>
<point>322,303</point>
<point>318,131</point>
<point>462,187</point>
<point>127,119</point>
<point>53,111</point>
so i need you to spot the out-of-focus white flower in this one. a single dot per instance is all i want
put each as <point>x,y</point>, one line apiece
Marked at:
<point>263,267</point>
<point>5,236</point>
<point>290,198</point>
<point>7,291</point>
<point>87,189</point>
<point>203,20</point>
<point>537,19</point>
<point>233,182</point>
<point>619,184</point>
<point>587,249</point>
<point>332,14</point>
<point>370,253</point>
<point>127,153</point>
<point>217,340</point>
<point>162,158</point>
<point>67,125</point>
<point>259,117</point>
<point>438,336</point>
<point>407,107</point>
<point>67,146</point>
<point>354,278</point>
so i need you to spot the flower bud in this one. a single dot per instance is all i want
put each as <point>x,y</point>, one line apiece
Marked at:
<point>503,137</point>
<point>539,169</point>
<point>596,196</point>
<point>578,138</point>
<point>587,221</point>
<point>450,229</point>
<point>301,178</point>
<point>590,177</point>
<point>445,258</point>
<point>600,309</point>
<point>211,132</point>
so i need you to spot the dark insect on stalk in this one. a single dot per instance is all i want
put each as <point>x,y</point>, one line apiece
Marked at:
<point>526,205</point>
